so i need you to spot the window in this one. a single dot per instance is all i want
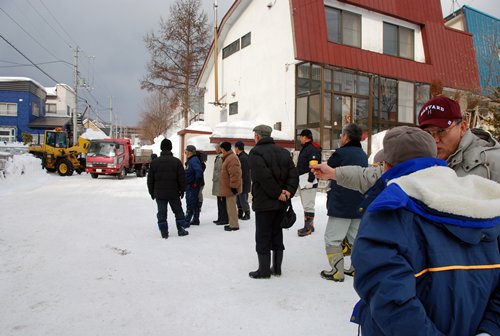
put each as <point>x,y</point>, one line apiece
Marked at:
<point>246,40</point>
<point>51,108</point>
<point>231,49</point>
<point>7,134</point>
<point>35,109</point>
<point>8,109</point>
<point>398,41</point>
<point>388,99</point>
<point>343,27</point>
<point>233,108</point>
<point>405,102</point>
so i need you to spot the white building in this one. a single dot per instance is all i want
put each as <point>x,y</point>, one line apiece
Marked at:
<point>61,101</point>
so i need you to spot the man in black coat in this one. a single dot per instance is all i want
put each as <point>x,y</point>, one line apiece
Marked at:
<point>166,184</point>
<point>242,199</point>
<point>274,182</point>
<point>309,154</point>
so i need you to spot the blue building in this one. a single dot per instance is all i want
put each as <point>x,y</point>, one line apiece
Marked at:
<point>485,30</point>
<point>22,109</point>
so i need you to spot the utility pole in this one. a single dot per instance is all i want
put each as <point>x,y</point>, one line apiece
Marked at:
<point>75,84</point>
<point>110,117</point>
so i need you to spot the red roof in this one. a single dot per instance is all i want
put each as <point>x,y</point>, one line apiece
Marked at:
<point>449,53</point>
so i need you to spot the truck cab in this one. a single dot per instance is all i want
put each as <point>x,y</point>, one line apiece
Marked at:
<point>114,157</point>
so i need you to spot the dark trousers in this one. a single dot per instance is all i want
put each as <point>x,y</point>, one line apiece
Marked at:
<point>192,208</point>
<point>242,202</point>
<point>222,210</point>
<point>268,232</point>
<point>175,205</point>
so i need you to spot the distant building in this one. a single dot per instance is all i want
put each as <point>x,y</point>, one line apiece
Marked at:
<point>320,64</point>
<point>485,30</point>
<point>61,101</point>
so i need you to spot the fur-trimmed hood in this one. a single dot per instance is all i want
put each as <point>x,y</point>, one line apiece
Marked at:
<point>439,195</point>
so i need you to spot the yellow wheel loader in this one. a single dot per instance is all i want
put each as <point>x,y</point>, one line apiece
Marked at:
<point>57,156</point>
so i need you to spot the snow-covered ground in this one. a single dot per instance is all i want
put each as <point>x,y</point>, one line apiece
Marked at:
<point>83,256</point>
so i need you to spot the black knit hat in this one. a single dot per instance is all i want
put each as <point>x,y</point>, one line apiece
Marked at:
<point>226,146</point>
<point>166,145</point>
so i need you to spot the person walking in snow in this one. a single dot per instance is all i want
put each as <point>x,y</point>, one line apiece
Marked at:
<point>221,200</point>
<point>342,204</point>
<point>427,252</point>
<point>274,182</point>
<point>194,180</point>
<point>166,184</point>
<point>230,184</point>
<point>242,199</point>
<point>310,152</point>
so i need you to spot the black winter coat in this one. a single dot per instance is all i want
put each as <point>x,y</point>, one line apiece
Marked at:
<point>272,170</point>
<point>310,151</point>
<point>166,177</point>
<point>245,172</point>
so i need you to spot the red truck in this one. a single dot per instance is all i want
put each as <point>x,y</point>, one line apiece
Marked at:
<point>116,157</point>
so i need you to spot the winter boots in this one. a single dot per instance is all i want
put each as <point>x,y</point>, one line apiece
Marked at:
<point>277,258</point>
<point>308,225</point>
<point>336,260</point>
<point>264,271</point>
<point>163,230</point>
<point>180,228</point>
<point>246,215</point>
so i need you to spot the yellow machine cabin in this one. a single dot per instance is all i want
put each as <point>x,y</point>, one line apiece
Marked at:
<point>57,156</point>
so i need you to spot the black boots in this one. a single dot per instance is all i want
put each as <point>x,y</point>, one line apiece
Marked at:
<point>240,213</point>
<point>246,215</point>
<point>163,230</point>
<point>180,228</point>
<point>277,257</point>
<point>264,271</point>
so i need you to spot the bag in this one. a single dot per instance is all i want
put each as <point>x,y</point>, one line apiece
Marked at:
<point>289,218</point>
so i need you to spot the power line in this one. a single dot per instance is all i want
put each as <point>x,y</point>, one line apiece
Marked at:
<point>36,66</point>
<point>48,24</point>
<point>58,23</point>
<point>27,33</point>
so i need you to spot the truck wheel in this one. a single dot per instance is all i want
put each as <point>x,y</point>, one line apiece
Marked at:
<point>121,174</point>
<point>64,168</point>
<point>94,175</point>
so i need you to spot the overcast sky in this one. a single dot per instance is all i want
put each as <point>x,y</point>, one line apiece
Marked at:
<point>110,34</point>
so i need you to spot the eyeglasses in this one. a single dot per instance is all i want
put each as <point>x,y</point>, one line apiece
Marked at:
<point>440,132</point>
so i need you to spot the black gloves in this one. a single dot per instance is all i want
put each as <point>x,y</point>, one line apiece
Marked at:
<point>234,190</point>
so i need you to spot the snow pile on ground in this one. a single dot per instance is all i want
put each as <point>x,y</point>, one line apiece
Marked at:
<point>23,172</point>
<point>377,144</point>
<point>155,147</point>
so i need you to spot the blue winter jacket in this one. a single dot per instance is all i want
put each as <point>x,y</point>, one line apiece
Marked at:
<point>427,254</point>
<point>194,173</point>
<point>343,202</point>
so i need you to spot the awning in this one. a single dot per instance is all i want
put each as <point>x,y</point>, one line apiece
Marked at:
<point>49,122</point>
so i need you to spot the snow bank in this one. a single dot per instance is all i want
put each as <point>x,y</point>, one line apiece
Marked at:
<point>22,172</point>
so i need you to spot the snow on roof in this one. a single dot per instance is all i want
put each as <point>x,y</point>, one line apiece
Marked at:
<point>51,91</point>
<point>90,134</point>
<point>199,126</point>
<point>202,143</point>
<point>243,129</point>
<point>21,79</point>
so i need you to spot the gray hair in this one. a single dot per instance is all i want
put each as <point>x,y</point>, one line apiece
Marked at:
<point>353,132</point>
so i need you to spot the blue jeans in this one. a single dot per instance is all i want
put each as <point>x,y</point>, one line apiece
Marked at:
<point>192,208</point>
